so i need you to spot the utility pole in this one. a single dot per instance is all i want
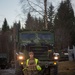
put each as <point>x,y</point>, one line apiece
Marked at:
<point>45,14</point>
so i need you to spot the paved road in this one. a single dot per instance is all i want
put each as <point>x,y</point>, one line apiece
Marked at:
<point>7,72</point>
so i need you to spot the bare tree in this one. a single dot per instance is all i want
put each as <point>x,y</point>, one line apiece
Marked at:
<point>45,13</point>
<point>37,7</point>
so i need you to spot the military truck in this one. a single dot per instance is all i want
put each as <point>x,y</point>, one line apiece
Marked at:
<point>42,44</point>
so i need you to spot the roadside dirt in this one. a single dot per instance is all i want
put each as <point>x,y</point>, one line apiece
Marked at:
<point>66,68</point>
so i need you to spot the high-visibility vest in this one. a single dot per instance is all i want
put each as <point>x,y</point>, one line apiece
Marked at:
<point>36,62</point>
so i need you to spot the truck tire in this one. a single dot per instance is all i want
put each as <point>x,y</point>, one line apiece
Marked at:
<point>18,69</point>
<point>54,70</point>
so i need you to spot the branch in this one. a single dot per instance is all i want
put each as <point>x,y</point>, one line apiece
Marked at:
<point>34,8</point>
<point>40,1</point>
<point>37,5</point>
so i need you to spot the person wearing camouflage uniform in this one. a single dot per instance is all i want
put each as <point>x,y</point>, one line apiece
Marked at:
<point>31,65</point>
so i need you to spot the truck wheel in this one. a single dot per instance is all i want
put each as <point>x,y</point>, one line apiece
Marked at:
<point>54,70</point>
<point>18,69</point>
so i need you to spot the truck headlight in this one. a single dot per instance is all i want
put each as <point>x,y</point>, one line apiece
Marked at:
<point>20,57</point>
<point>56,57</point>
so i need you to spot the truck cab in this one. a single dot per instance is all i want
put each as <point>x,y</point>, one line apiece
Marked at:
<point>42,44</point>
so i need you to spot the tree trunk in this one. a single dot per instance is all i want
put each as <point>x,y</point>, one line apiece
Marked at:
<point>45,13</point>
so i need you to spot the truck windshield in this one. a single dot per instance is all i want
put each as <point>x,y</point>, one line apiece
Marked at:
<point>25,36</point>
<point>45,36</point>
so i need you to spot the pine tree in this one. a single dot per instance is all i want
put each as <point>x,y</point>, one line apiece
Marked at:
<point>29,22</point>
<point>50,17</point>
<point>19,25</point>
<point>41,24</point>
<point>36,24</point>
<point>5,26</point>
<point>64,24</point>
<point>73,34</point>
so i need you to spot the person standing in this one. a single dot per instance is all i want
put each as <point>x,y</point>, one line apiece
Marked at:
<point>32,65</point>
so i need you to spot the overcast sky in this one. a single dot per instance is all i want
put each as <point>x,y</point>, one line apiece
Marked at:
<point>11,10</point>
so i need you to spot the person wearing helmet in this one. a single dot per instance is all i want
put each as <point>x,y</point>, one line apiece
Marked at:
<point>32,64</point>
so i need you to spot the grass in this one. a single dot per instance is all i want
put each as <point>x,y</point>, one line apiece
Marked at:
<point>66,68</point>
